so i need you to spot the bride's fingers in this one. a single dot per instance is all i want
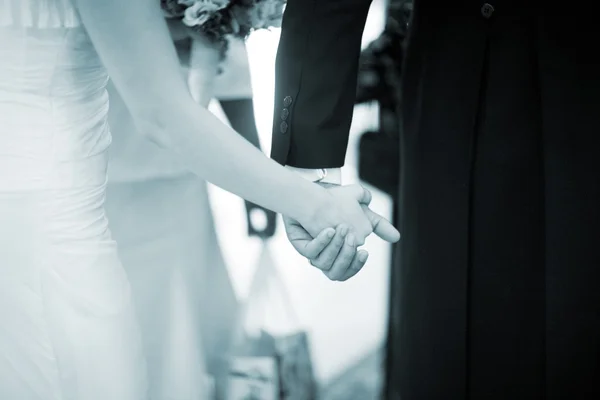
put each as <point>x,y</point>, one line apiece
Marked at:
<point>381,226</point>
<point>311,249</point>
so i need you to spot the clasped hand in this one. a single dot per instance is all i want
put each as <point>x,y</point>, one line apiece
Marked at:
<point>330,240</point>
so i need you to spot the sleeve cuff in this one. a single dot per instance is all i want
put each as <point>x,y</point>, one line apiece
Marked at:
<point>325,175</point>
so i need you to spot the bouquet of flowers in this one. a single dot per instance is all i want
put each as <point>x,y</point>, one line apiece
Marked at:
<point>216,20</point>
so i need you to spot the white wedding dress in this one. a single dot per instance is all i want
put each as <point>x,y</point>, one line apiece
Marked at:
<point>68,329</point>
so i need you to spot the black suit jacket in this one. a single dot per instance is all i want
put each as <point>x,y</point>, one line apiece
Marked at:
<point>315,88</point>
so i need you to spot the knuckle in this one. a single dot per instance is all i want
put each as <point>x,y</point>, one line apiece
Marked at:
<point>327,261</point>
<point>310,254</point>
<point>329,275</point>
<point>322,265</point>
<point>345,258</point>
<point>338,240</point>
<point>360,241</point>
<point>316,249</point>
<point>335,274</point>
<point>348,276</point>
<point>347,255</point>
<point>335,245</point>
<point>355,270</point>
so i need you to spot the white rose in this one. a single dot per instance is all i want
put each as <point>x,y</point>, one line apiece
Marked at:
<point>221,3</point>
<point>199,12</point>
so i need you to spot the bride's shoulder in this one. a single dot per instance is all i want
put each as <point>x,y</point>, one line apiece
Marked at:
<point>39,13</point>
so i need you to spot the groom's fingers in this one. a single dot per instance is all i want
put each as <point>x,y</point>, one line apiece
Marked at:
<point>381,226</point>
<point>328,255</point>
<point>314,248</point>
<point>303,242</point>
<point>357,264</point>
<point>344,259</point>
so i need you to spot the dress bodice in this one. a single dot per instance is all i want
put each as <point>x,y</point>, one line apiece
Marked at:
<point>39,13</point>
<point>53,102</point>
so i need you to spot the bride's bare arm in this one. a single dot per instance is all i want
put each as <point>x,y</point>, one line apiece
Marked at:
<point>132,38</point>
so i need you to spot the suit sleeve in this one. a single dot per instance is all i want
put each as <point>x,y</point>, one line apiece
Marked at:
<point>315,81</point>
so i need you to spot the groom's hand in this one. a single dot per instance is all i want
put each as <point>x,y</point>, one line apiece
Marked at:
<point>332,251</point>
<point>337,256</point>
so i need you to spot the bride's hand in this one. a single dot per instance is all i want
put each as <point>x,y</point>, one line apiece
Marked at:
<point>342,206</point>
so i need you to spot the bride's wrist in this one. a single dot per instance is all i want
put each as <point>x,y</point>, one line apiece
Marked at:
<point>319,203</point>
<point>312,197</point>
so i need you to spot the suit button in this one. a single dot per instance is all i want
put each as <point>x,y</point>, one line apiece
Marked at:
<point>287,101</point>
<point>285,113</point>
<point>487,10</point>
<point>283,127</point>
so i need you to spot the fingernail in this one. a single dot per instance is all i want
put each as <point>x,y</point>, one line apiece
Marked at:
<point>362,256</point>
<point>344,230</point>
<point>330,233</point>
<point>350,240</point>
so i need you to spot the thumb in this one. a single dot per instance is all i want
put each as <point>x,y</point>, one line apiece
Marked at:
<point>360,193</point>
<point>381,226</point>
